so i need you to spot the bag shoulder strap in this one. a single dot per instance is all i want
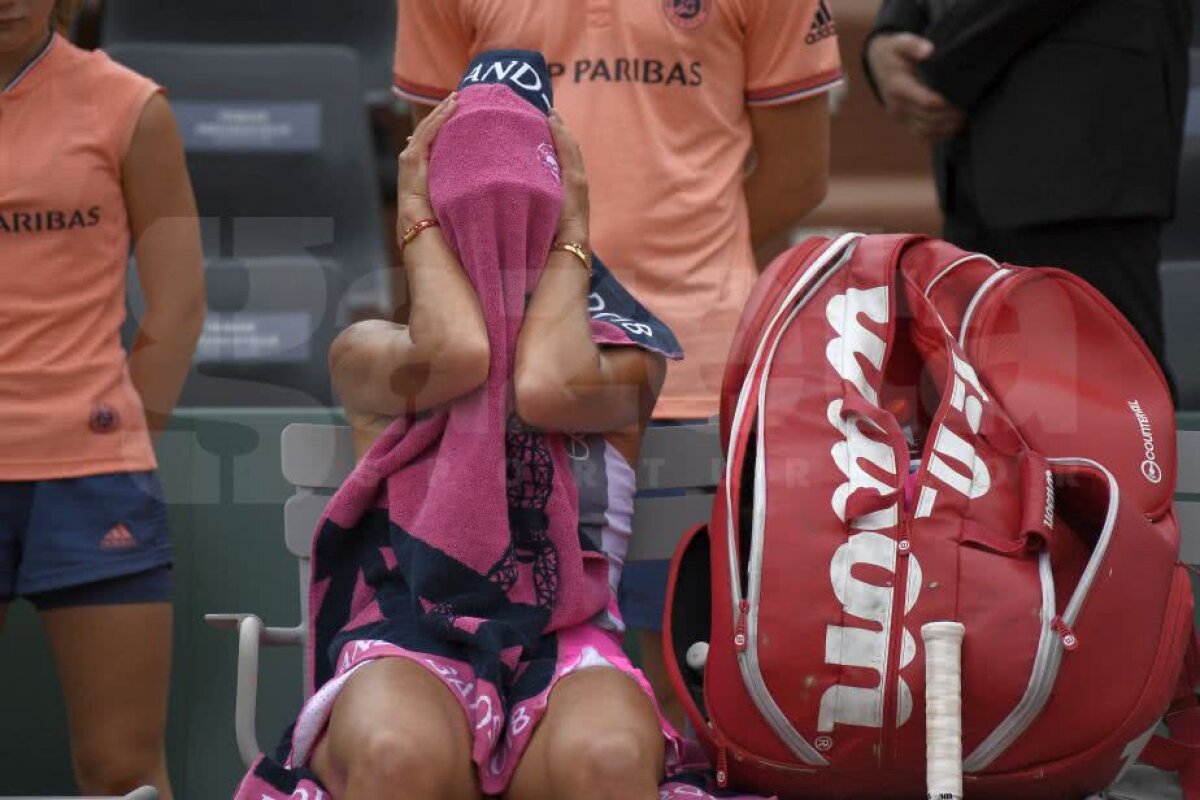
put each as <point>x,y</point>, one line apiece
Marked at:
<point>1180,752</point>
<point>950,277</point>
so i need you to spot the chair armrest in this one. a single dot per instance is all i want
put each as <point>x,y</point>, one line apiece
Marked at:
<point>251,636</point>
<point>271,637</point>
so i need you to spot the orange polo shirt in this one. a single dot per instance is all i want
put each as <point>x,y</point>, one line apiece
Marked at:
<point>67,405</point>
<point>656,92</point>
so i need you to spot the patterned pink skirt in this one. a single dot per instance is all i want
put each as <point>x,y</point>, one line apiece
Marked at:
<point>499,740</point>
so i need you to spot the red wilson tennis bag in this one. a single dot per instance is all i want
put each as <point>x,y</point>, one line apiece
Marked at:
<point>918,434</point>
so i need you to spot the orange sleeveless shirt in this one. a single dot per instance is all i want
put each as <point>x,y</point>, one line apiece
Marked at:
<point>67,405</point>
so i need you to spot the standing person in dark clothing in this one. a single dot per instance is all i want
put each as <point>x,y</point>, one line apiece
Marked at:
<point>1056,128</point>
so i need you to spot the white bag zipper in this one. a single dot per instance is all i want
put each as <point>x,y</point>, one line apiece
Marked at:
<point>1056,637</point>
<point>745,610</point>
<point>1057,633</point>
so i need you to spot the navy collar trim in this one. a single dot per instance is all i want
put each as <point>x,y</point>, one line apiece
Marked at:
<point>28,68</point>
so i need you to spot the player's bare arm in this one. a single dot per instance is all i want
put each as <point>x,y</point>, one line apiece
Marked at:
<point>381,369</point>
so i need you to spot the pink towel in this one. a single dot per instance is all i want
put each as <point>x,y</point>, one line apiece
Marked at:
<point>482,512</point>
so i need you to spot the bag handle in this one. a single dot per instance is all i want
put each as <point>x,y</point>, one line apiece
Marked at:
<point>1035,532</point>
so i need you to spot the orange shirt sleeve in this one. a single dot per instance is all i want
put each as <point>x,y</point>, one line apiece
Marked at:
<point>433,48</point>
<point>791,50</point>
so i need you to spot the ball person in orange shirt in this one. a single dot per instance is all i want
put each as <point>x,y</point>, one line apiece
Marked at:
<point>91,162</point>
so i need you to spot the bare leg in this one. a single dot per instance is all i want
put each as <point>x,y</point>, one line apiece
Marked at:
<point>396,733</point>
<point>115,665</point>
<point>600,740</point>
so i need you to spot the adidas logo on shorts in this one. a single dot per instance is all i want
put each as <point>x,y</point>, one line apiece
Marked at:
<point>823,26</point>
<point>119,538</point>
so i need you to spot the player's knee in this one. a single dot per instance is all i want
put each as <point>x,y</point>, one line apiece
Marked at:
<point>117,766</point>
<point>610,764</point>
<point>388,760</point>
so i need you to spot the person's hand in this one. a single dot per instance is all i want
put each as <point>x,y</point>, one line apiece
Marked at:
<point>413,194</point>
<point>893,59</point>
<point>573,221</point>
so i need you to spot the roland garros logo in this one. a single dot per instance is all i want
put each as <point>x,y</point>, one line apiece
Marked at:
<point>686,14</point>
<point>1150,468</point>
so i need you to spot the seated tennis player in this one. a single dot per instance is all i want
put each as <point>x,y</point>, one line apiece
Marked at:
<point>465,638</point>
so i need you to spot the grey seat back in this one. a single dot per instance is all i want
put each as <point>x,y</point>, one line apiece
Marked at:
<point>678,471</point>
<point>1181,325</point>
<point>366,26</point>
<point>282,165</point>
<point>1187,495</point>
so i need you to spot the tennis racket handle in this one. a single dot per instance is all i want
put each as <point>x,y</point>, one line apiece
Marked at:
<point>943,709</point>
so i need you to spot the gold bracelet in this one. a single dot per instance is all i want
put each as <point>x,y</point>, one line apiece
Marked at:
<point>411,233</point>
<point>577,250</point>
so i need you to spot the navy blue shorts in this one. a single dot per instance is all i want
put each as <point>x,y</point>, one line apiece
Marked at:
<point>95,540</point>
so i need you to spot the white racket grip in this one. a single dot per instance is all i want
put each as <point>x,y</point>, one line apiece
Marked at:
<point>943,709</point>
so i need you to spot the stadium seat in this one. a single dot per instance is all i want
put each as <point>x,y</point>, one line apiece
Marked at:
<point>280,158</point>
<point>267,333</point>
<point>370,28</point>
<point>1181,299</point>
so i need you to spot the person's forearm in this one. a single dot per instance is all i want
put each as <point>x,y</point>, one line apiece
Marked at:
<point>563,380</point>
<point>556,337</point>
<point>444,308</point>
<point>160,360</point>
<point>387,369</point>
<point>777,206</point>
<point>791,167</point>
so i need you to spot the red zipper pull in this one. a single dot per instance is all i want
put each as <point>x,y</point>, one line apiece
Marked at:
<point>1069,639</point>
<point>739,636</point>
<point>904,546</point>
<point>722,767</point>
